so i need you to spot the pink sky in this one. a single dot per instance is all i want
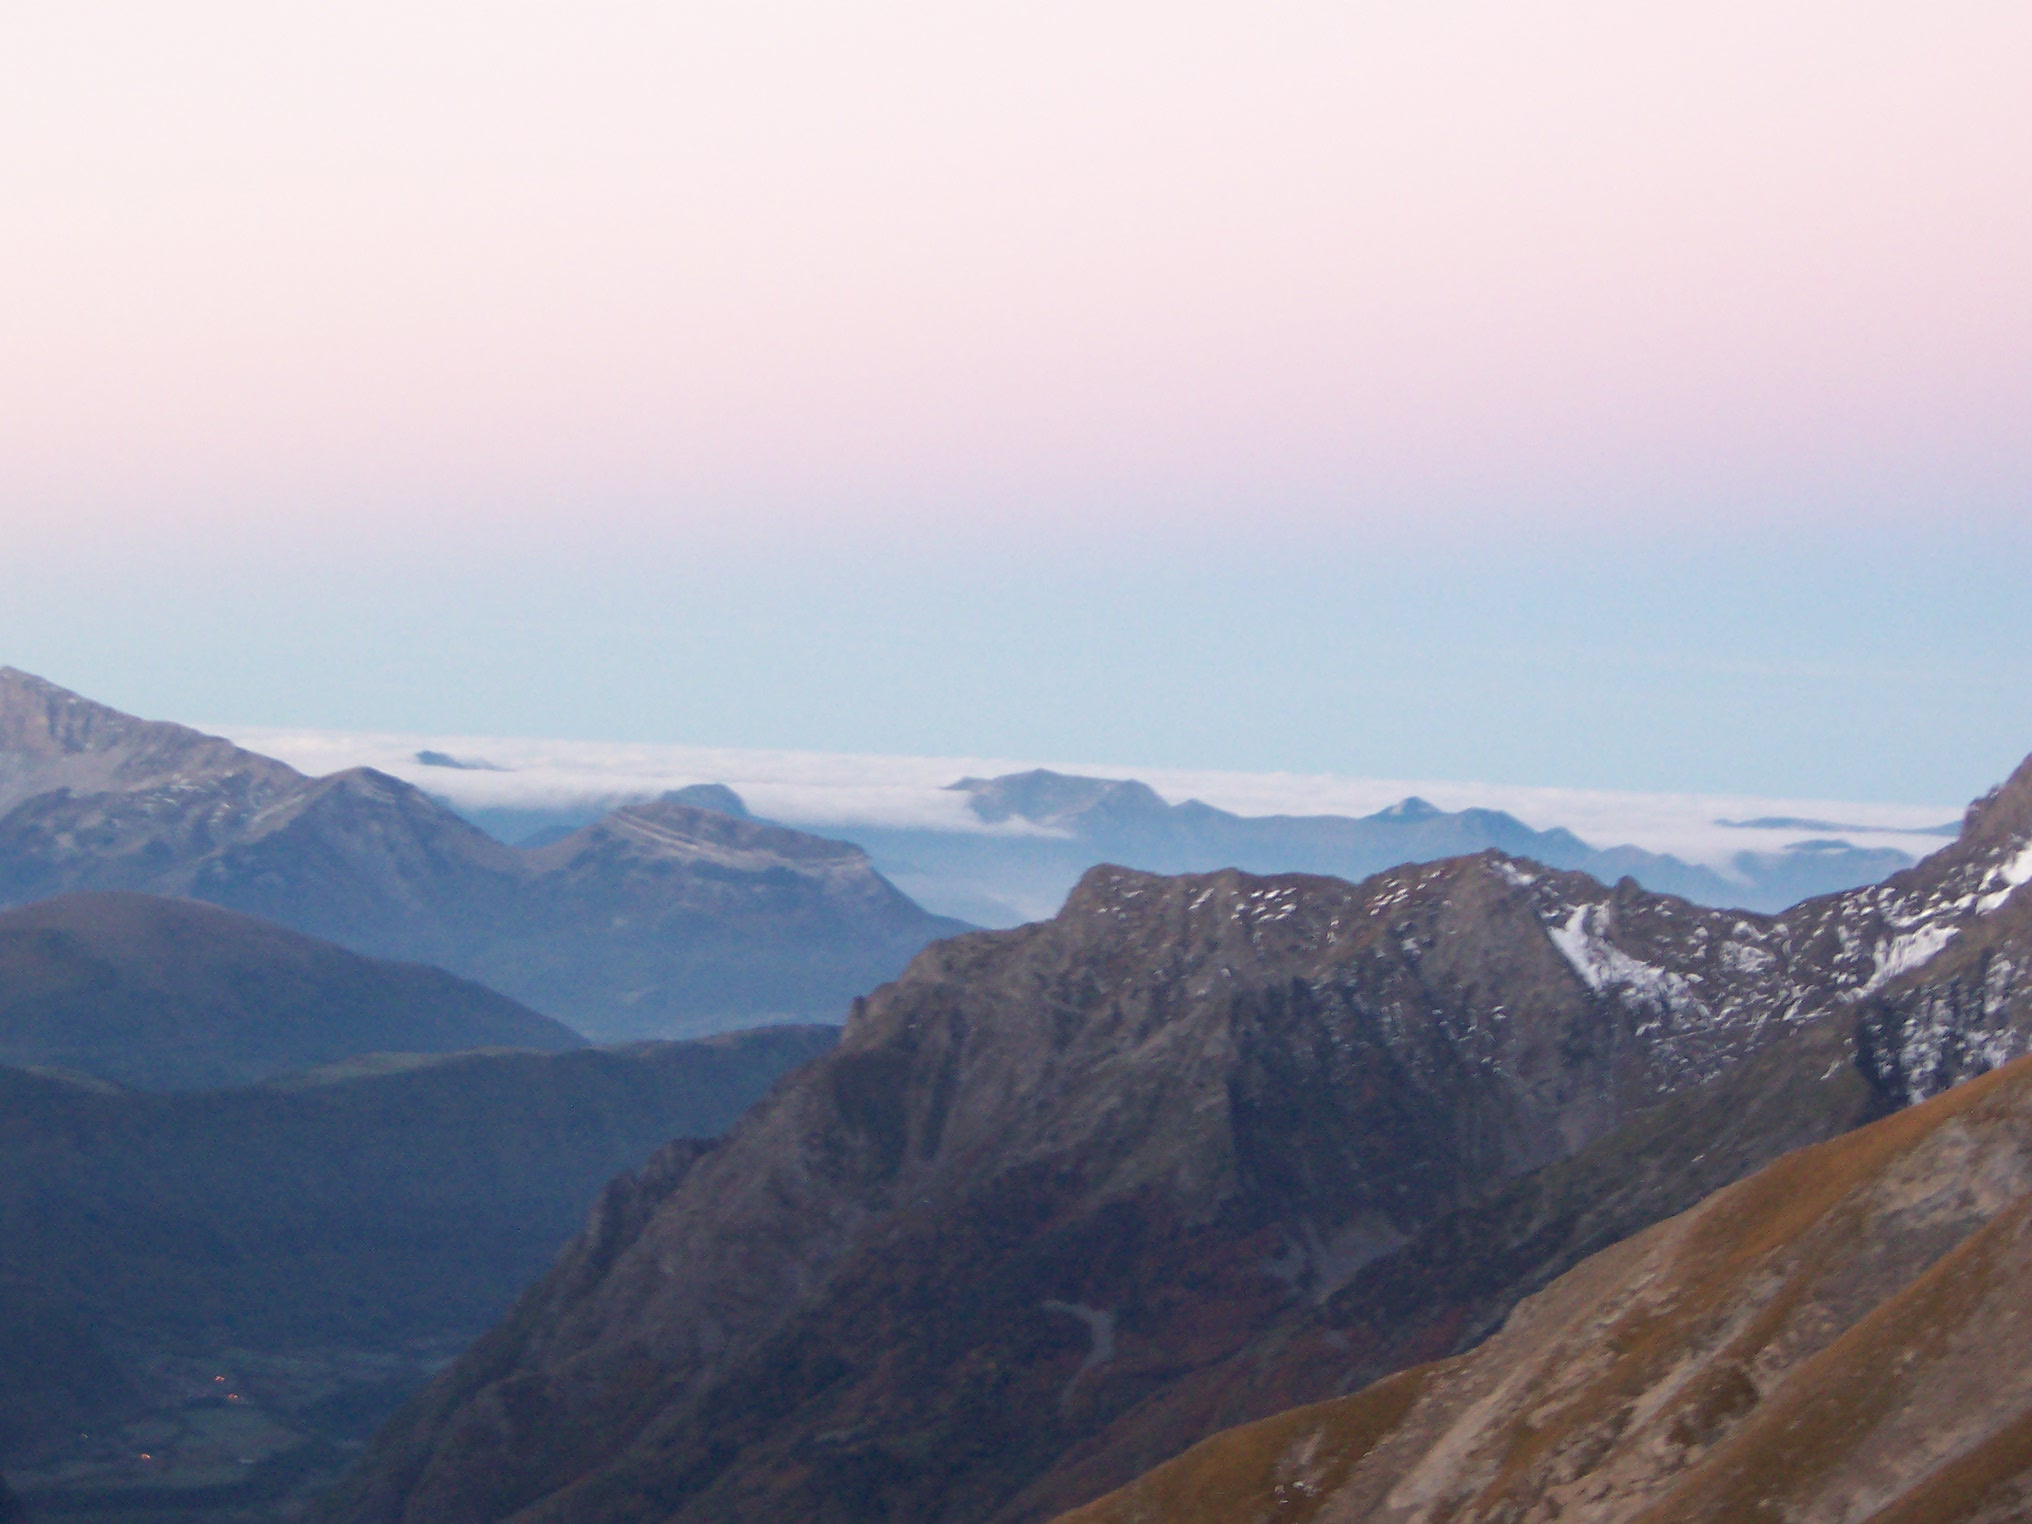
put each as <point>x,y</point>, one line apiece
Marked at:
<point>518,261</point>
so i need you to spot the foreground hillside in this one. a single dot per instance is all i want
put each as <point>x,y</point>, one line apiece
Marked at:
<point>663,919</point>
<point>1070,1197</point>
<point>321,1241</point>
<point>1846,1335</point>
<point>161,994</point>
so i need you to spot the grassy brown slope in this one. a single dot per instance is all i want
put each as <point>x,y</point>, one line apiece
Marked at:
<point>1452,1284</point>
<point>1285,1468</point>
<point>1843,1335</point>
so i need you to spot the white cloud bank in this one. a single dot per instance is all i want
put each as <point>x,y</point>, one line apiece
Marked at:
<point>837,792</point>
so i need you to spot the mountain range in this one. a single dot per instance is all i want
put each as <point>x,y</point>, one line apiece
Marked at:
<point>1013,874</point>
<point>658,919</point>
<point>1201,1148</point>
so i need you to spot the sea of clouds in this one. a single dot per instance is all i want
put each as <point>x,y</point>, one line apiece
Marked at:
<point>834,792</point>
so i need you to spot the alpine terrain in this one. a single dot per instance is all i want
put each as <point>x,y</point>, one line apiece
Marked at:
<point>1846,1335</point>
<point>1070,1197</point>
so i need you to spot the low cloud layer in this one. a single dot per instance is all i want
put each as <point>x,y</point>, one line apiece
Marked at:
<point>838,792</point>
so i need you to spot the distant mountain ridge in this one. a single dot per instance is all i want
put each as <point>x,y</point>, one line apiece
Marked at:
<point>652,921</point>
<point>1124,821</point>
<point>1072,1196</point>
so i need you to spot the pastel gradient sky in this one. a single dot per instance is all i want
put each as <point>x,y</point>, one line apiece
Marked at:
<point>1579,394</point>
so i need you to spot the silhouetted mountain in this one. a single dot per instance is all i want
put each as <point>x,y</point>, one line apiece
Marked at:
<point>324,1238</point>
<point>162,994</point>
<point>1070,1197</point>
<point>1845,1335</point>
<point>699,930</point>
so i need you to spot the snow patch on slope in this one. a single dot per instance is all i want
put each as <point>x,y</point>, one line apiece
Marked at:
<point>1603,966</point>
<point>2005,878</point>
<point>1897,954</point>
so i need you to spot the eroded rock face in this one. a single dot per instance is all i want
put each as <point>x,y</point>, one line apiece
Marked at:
<point>1843,1336</point>
<point>1070,1196</point>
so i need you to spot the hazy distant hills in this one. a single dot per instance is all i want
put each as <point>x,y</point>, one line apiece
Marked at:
<point>161,994</point>
<point>1002,877</point>
<point>320,1239</point>
<point>1068,1198</point>
<point>662,919</point>
<point>659,911</point>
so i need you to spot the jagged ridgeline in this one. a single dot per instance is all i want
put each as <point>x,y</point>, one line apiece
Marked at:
<point>1071,1197</point>
<point>663,919</point>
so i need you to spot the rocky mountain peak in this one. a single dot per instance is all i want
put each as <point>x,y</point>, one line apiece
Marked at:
<point>665,827</point>
<point>2003,816</point>
<point>710,796</point>
<point>51,738</point>
<point>38,716</point>
<point>1410,808</point>
<point>1046,798</point>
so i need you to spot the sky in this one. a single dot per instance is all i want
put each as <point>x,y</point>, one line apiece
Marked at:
<point>1571,395</point>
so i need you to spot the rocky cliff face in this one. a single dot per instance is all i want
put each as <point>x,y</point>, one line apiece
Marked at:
<point>1072,1195</point>
<point>661,919</point>
<point>1844,1336</point>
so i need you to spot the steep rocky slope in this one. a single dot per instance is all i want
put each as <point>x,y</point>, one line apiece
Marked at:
<point>654,922</point>
<point>1846,1335</point>
<point>1071,1196</point>
<point>162,994</point>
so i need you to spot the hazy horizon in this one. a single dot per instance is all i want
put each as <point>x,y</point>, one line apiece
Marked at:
<point>1577,397</point>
